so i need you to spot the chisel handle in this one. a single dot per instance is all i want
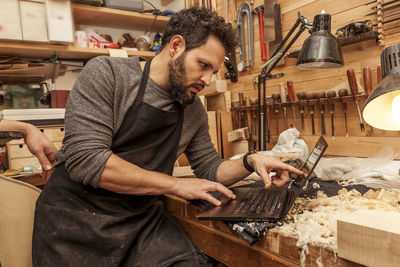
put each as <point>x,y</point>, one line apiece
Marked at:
<point>379,73</point>
<point>290,88</point>
<point>367,80</point>
<point>351,76</point>
<point>283,93</point>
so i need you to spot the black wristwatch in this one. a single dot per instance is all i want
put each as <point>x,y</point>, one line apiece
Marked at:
<point>245,163</point>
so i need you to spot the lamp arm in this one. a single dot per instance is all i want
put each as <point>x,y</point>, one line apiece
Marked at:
<point>264,74</point>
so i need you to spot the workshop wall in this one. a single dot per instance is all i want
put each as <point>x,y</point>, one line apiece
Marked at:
<point>357,56</point>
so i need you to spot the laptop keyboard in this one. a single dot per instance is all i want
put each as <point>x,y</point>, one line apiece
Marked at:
<point>259,201</point>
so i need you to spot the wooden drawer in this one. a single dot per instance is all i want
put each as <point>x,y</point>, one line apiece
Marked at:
<point>54,134</point>
<point>19,155</point>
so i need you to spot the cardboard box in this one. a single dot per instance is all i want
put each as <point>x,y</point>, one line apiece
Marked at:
<point>10,26</point>
<point>33,21</point>
<point>60,26</point>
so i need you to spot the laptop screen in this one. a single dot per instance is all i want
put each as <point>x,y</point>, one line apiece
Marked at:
<point>314,156</point>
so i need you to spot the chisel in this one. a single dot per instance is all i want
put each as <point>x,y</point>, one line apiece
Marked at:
<point>321,96</point>
<point>367,77</point>
<point>301,95</point>
<point>351,76</point>
<point>283,101</point>
<point>292,100</point>
<point>331,94</point>
<point>276,97</point>
<point>310,96</point>
<point>242,106</point>
<point>341,93</point>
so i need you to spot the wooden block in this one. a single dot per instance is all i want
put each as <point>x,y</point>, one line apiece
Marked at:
<point>238,134</point>
<point>217,86</point>
<point>240,147</point>
<point>217,102</point>
<point>370,237</point>
<point>212,124</point>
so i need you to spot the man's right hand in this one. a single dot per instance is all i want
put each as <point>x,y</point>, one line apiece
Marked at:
<point>194,188</point>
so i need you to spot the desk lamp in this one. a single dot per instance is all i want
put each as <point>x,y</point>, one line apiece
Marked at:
<point>382,108</point>
<point>321,50</point>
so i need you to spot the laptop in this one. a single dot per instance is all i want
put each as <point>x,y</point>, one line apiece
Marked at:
<point>259,204</point>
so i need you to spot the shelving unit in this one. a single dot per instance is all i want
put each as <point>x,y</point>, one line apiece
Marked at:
<point>91,15</point>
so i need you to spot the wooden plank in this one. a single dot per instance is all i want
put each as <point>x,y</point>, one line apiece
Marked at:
<point>360,146</point>
<point>116,18</point>
<point>370,237</point>
<point>226,126</point>
<point>212,124</point>
<point>46,51</point>
<point>240,253</point>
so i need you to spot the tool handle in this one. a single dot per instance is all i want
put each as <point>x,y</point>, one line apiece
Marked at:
<point>379,73</point>
<point>248,113</point>
<point>276,97</point>
<point>310,95</point>
<point>331,93</point>
<point>351,76</point>
<point>261,26</point>
<point>283,93</point>
<point>367,80</point>
<point>241,100</point>
<point>290,89</point>
<point>343,92</point>
<point>301,95</point>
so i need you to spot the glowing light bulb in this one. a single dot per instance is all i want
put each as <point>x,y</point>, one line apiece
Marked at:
<point>396,109</point>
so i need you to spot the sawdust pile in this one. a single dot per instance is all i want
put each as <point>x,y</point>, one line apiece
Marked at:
<point>313,221</point>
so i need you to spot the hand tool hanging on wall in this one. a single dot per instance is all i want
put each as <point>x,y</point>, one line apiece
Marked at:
<point>245,9</point>
<point>268,101</point>
<point>283,101</point>
<point>367,77</point>
<point>378,74</point>
<point>341,93</point>
<point>272,27</point>
<point>261,113</point>
<point>276,97</point>
<point>351,76</point>
<point>260,13</point>
<point>331,94</point>
<point>292,99</point>
<point>310,96</point>
<point>321,96</point>
<point>235,114</point>
<point>242,107</point>
<point>301,95</point>
<point>230,64</point>
<point>248,113</point>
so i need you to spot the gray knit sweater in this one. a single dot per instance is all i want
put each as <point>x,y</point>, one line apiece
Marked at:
<point>97,104</point>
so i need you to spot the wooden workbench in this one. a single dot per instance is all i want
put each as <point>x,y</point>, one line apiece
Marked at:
<point>219,242</point>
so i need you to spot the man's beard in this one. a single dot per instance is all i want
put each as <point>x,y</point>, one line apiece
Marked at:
<point>177,77</point>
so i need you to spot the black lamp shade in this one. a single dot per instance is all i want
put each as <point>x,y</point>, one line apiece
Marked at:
<point>380,108</point>
<point>321,50</point>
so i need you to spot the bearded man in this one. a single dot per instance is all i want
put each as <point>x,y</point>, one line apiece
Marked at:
<point>126,123</point>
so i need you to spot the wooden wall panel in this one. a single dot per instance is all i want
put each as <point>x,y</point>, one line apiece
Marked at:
<point>356,56</point>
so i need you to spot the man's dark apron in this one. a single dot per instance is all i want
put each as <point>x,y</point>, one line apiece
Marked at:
<point>79,225</point>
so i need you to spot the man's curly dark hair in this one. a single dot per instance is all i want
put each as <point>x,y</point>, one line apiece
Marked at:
<point>196,25</point>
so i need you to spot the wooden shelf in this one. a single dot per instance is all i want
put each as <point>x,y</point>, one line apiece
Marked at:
<point>29,50</point>
<point>90,15</point>
<point>116,18</point>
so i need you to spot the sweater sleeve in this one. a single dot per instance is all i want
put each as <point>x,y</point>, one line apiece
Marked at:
<point>89,122</point>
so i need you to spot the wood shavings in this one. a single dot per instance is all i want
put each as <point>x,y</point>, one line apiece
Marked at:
<point>314,221</point>
<point>315,185</point>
